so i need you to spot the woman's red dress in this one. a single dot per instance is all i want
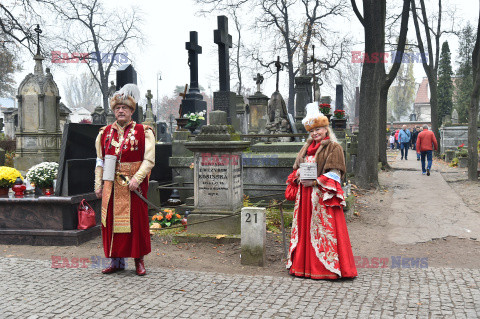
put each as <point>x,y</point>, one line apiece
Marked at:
<point>320,246</point>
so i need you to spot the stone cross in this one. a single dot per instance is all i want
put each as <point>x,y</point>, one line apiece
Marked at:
<point>193,51</point>
<point>279,67</point>
<point>258,80</point>
<point>149,112</point>
<point>224,41</point>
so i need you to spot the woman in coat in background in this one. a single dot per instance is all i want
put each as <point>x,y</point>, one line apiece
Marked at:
<point>320,246</point>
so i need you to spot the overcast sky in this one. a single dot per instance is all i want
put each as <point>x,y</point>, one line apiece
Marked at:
<point>166,27</point>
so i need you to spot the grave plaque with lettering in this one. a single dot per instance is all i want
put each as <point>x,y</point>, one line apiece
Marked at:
<point>219,180</point>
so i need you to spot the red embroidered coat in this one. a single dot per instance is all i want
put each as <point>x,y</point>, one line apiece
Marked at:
<point>319,245</point>
<point>125,223</point>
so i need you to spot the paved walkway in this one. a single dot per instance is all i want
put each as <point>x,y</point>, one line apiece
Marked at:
<point>32,289</point>
<point>425,207</point>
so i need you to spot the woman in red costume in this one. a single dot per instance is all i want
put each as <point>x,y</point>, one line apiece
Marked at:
<point>319,246</point>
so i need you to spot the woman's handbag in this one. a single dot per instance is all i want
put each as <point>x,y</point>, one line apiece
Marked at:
<point>292,187</point>
<point>86,216</point>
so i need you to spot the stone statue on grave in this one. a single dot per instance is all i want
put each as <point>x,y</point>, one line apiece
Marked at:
<point>111,89</point>
<point>277,107</point>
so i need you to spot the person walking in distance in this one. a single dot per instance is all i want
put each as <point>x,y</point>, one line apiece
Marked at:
<point>404,140</point>
<point>414,140</point>
<point>396,139</point>
<point>392,141</point>
<point>426,142</point>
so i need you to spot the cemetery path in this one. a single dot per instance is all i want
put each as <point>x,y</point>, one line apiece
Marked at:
<point>167,293</point>
<point>424,207</point>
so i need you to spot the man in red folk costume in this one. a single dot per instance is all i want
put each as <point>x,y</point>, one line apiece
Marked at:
<point>125,157</point>
<point>319,246</point>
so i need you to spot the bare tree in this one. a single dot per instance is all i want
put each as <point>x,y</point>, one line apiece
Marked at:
<point>473,112</point>
<point>288,28</point>
<point>82,91</point>
<point>89,28</point>
<point>16,23</point>
<point>431,49</point>
<point>347,74</point>
<point>374,88</point>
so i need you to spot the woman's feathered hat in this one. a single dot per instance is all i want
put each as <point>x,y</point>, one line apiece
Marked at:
<point>128,95</point>
<point>314,117</point>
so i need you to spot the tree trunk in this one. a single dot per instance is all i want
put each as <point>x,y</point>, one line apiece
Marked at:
<point>434,109</point>
<point>473,137</point>
<point>382,129</point>
<point>366,174</point>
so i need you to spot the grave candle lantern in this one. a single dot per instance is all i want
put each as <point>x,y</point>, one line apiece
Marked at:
<point>19,188</point>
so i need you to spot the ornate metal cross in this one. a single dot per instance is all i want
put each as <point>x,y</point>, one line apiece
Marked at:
<point>38,31</point>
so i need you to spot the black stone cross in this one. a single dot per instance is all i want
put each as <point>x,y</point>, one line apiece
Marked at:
<point>193,51</point>
<point>224,41</point>
<point>38,30</point>
<point>279,67</point>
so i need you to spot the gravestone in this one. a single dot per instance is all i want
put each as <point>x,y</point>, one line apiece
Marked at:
<point>303,96</point>
<point>11,122</point>
<point>126,74</point>
<point>258,103</point>
<point>242,114</point>
<point>193,100</point>
<point>218,183</point>
<point>326,99</point>
<point>454,117</point>
<point>224,100</point>
<point>254,236</point>
<point>77,159</point>
<point>162,133</point>
<point>38,132</point>
<point>339,97</point>
<point>99,116</point>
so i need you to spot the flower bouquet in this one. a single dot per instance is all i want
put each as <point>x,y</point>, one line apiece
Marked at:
<point>325,108</point>
<point>8,175</point>
<point>43,174</point>
<point>461,151</point>
<point>194,120</point>
<point>165,218</point>
<point>339,114</point>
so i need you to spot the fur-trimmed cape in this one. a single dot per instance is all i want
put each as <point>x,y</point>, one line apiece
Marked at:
<point>328,156</point>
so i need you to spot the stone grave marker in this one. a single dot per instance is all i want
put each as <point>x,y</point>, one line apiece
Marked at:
<point>38,132</point>
<point>127,74</point>
<point>193,101</point>
<point>254,236</point>
<point>224,100</point>
<point>77,159</point>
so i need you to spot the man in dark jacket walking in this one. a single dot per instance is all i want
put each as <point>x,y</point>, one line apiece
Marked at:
<point>414,140</point>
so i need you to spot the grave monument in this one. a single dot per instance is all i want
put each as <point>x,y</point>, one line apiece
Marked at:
<point>193,100</point>
<point>224,99</point>
<point>38,132</point>
<point>258,109</point>
<point>218,182</point>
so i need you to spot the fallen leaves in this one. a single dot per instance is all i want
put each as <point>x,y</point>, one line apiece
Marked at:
<point>220,236</point>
